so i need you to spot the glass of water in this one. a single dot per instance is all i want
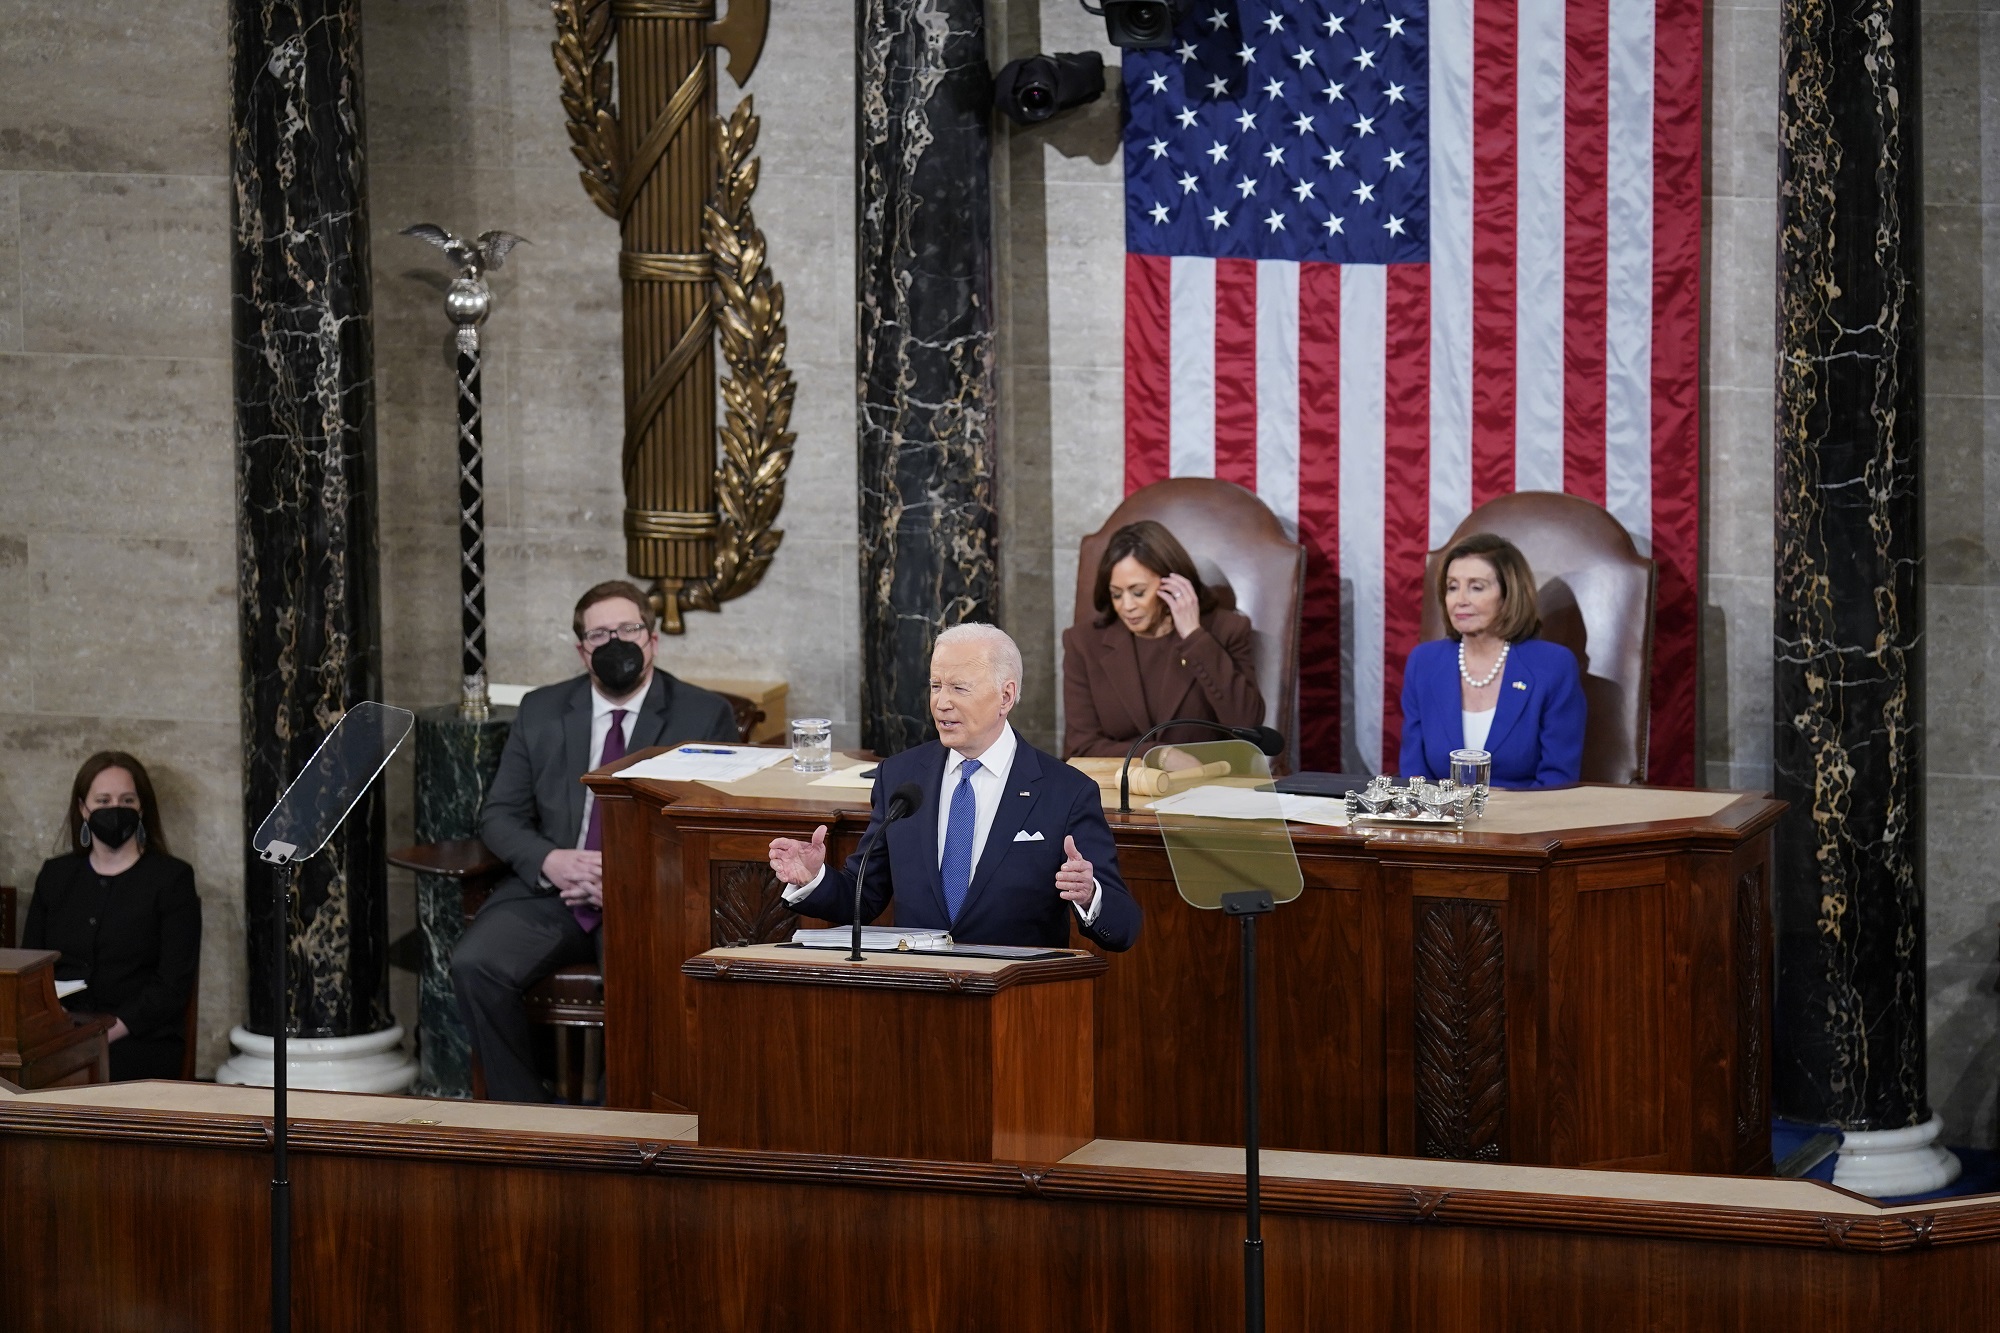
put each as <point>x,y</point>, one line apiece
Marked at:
<point>812,744</point>
<point>1472,768</point>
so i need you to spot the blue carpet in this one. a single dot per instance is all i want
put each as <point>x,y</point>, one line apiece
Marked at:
<point>1981,1174</point>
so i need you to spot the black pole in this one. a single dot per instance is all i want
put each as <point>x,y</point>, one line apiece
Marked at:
<point>1246,908</point>
<point>282,888</point>
<point>471,523</point>
<point>1253,1240</point>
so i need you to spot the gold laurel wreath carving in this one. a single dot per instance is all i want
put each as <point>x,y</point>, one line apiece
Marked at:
<point>755,435</point>
<point>583,61</point>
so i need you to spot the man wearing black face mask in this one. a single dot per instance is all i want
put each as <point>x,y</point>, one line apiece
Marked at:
<point>543,822</point>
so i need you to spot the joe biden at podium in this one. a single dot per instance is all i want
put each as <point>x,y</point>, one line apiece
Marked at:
<point>1008,844</point>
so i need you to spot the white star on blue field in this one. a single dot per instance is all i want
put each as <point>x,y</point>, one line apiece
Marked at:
<point>1275,131</point>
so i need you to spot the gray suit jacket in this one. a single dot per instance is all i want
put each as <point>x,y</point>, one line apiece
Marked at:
<point>535,804</point>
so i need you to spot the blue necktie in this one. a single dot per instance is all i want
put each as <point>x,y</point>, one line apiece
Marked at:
<point>956,867</point>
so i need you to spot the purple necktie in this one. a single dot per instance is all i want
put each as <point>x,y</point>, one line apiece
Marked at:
<point>593,841</point>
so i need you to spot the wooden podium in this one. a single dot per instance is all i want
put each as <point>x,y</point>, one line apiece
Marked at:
<point>41,1046</point>
<point>902,1055</point>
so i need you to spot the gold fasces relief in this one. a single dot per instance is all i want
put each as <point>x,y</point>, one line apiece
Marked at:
<point>701,496</point>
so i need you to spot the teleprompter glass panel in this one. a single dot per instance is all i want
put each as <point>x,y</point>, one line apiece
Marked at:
<point>350,758</point>
<point>1223,828</point>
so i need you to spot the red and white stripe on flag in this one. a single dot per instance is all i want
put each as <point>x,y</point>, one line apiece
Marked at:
<point>1551,343</point>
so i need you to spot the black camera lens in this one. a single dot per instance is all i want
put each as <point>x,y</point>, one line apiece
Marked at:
<point>1147,23</point>
<point>1031,90</point>
<point>1142,25</point>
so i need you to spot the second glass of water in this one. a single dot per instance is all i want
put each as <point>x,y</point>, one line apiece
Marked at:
<point>1472,768</point>
<point>812,744</point>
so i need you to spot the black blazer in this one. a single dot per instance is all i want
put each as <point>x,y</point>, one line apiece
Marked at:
<point>535,804</point>
<point>137,942</point>
<point>1012,898</point>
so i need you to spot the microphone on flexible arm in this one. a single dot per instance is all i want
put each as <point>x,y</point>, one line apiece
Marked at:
<point>1269,740</point>
<point>904,801</point>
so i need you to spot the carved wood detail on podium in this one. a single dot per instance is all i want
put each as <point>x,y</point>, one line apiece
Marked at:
<point>1750,1113</point>
<point>1460,987</point>
<point>745,905</point>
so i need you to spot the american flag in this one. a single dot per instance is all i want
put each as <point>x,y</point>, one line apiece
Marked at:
<point>1389,259</point>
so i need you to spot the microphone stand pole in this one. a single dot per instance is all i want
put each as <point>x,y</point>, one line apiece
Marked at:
<point>861,878</point>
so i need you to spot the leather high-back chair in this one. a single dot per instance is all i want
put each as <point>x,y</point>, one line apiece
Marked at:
<point>1596,593</point>
<point>1244,557</point>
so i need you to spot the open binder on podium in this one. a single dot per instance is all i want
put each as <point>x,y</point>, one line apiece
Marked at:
<point>1243,865</point>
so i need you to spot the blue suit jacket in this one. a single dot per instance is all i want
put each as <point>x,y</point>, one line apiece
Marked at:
<point>1537,735</point>
<point>1012,898</point>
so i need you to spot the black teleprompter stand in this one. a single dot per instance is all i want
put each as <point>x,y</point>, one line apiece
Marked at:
<point>1246,907</point>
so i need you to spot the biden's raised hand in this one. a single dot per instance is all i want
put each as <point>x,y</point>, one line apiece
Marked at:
<point>1076,881</point>
<point>796,863</point>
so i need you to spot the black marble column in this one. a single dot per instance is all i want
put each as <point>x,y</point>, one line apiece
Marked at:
<point>305,437</point>
<point>457,758</point>
<point>1850,615</point>
<point>924,287</point>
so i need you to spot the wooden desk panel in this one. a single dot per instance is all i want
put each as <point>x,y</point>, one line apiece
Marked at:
<point>157,1219</point>
<point>1593,996</point>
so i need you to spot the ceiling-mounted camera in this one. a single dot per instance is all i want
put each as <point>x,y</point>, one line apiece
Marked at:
<point>1140,25</point>
<point>1029,91</point>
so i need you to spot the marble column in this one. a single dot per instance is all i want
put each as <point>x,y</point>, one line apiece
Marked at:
<point>925,288</point>
<point>457,758</point>
<point>1849,652</point>
<point>305,478</point>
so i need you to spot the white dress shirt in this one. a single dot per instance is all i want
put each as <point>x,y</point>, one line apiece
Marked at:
<point>601,709</point>
<point>989,784</point>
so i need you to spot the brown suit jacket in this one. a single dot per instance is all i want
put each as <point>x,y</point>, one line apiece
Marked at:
<point>1105,708</point>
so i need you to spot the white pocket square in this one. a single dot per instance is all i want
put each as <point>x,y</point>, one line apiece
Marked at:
<point>1025,836</point>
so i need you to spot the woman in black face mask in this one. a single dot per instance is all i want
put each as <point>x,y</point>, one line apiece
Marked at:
<point>124,916</point>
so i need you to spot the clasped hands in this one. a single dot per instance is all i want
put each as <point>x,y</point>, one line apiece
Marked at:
<point>796,864</point>
<point>577,875</point>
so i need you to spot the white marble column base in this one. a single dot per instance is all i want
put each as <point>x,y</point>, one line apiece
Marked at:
<point>371,1063</point>
<point>1886,1163</point>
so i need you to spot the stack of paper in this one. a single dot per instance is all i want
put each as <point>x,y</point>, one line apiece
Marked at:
<point>883,939</point>
<point>706,763</point>
<point>1245,803</point>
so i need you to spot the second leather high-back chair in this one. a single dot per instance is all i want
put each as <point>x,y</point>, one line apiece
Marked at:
<point>1244,557</point>
<point>1596,594</point>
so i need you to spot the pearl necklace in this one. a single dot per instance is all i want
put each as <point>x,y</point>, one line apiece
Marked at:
<point>1491,676</point>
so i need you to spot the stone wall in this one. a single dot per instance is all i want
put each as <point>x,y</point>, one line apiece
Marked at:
<point>117,483</point>
<point>1961,110</point>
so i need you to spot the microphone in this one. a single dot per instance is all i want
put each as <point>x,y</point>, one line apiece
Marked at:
<point>1268,740</point>
<point>906,800</point>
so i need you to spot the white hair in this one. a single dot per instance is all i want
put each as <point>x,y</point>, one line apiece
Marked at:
<point>996,649</point>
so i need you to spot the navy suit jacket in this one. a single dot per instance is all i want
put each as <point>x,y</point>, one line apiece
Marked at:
<point>1012,898</point>
<point>1537,735</point>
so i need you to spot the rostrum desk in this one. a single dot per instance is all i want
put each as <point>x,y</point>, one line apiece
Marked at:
<point>1595,994</point>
